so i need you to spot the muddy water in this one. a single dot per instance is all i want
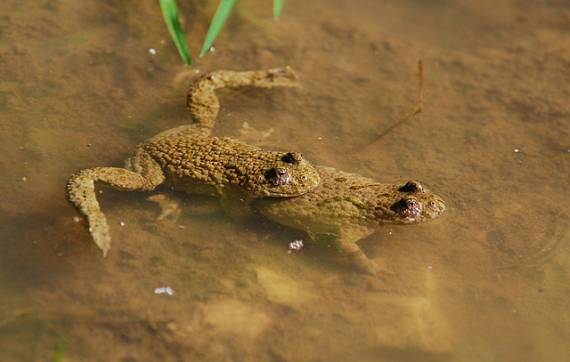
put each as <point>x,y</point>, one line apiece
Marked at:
<point>486,282</point>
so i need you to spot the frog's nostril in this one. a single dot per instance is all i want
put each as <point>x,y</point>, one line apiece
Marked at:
<point>277,176</point>
<point>412,186</point>
<point>292,157</point>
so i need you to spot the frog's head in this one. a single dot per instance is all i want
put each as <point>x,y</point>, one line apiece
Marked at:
<point>290,175</point>
<point>412,203</point>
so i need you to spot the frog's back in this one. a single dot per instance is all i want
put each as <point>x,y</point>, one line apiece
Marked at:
<point>189,160</point>
<point>348,199</point>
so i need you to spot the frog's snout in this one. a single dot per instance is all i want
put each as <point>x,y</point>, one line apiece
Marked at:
<point>278,176</point>
<point>436,207</point>
<point>408,208</point>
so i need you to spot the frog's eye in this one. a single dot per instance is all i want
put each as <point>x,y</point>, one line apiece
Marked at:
<point>292,157</point>
<point>408,207</point>
<point>412,186</point>
<point>277,176</point>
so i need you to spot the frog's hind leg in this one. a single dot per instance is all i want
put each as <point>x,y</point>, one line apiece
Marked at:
<point>81,193</point>
<point>203,102</point>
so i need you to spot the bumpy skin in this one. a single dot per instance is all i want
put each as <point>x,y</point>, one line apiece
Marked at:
<point>351,207</point>
<point>187,158</point>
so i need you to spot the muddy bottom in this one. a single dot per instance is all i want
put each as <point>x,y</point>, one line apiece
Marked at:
<point>488,281</point>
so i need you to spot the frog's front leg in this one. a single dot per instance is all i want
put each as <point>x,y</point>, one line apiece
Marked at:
<point>81,192</point>
<point>203,102</point>
<point>346,243</point>
<point>236,204</point>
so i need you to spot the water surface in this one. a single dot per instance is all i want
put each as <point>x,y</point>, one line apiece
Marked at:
<point>489,281</point>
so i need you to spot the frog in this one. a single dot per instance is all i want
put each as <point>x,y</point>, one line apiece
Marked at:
<point>190,159</point>
<point>349,207</point>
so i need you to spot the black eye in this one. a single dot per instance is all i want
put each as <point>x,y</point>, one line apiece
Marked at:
<point>412,186</point>
<point>292,157</point>
<point>407,207</point>
<point>277,176</point>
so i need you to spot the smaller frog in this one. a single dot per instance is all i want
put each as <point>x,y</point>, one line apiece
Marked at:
<point>351,207</point>
<point>188,158</point>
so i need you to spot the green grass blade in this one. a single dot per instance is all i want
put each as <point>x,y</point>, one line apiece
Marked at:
<point>277,8</point>
<point>59,351</point>
<point>222,12</point>
<point>170,13</point>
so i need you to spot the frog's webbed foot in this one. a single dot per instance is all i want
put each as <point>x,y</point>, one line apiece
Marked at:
<point>169,208</point>
<point>203,102</point>
<point>81,192</point>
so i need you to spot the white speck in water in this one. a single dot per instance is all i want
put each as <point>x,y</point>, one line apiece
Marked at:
<point>212,50</point>
<point>122,223</point>
<point>197,71</point>
<point>76,219</point>
<point>182,226</point>
<point>100,192</point>
<point>296,245</point>
<point>152,51</point>
<point>430,267</point>
<point>390,232</point>
<point>24,179</point>
<point>516,150</point>
<point>164,290</point>
<point>320,138</point>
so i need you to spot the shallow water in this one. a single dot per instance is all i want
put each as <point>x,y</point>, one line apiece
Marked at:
<point>489,281</point>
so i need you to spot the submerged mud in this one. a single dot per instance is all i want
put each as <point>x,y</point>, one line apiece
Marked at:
<point>487,281</point>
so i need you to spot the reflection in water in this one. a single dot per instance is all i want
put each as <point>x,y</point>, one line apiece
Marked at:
<point>487,281</point>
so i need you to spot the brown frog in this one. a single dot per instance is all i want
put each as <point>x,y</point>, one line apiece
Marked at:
<point>189,159</point>
<point>351,207</point>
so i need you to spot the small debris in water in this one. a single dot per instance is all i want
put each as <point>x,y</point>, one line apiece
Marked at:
<point>100,192</point>
<point>122,223</point>
<point>152,51</point>
<point>517,150</point>
<point>89,145</point>
<point>182,226</point>
<point>164,290</point>
<point>430,267</point>
<point>212,50</point>
<point>296,246</point>
<point>162,41</point>
<point>24,179</point>
<point>320,138</point>
<point>76,219</point>
<point>389,232</point>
